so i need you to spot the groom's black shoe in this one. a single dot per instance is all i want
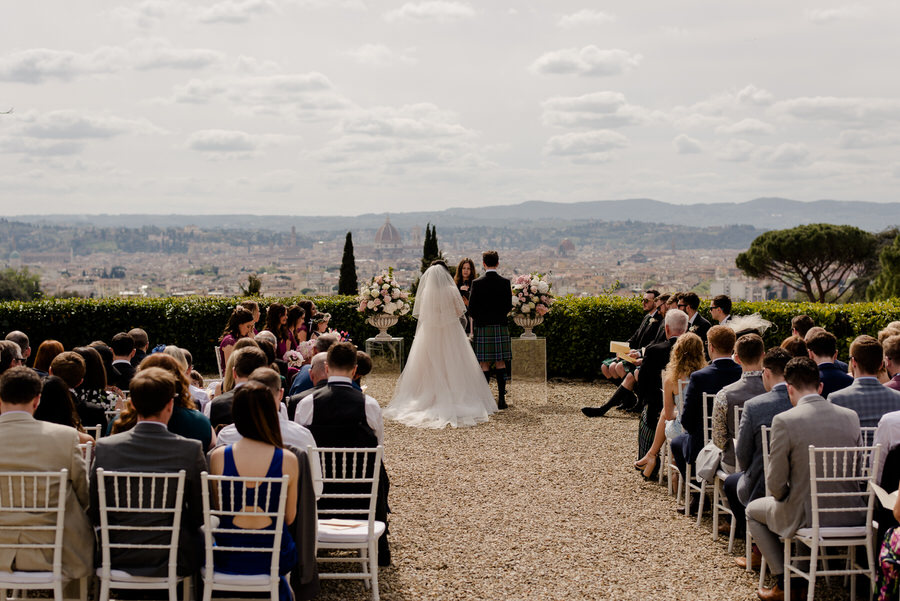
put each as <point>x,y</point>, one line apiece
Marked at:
<point>620,395</point>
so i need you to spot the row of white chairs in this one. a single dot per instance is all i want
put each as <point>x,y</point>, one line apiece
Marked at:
<point>36,495</point>
<point>827,466</point>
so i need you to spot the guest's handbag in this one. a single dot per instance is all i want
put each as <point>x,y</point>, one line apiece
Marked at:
<point>708,461</point>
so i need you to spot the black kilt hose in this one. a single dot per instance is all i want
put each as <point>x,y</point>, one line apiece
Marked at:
<point>492,343</point>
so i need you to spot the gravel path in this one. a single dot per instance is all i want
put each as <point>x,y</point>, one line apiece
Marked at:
<point>539,503</point>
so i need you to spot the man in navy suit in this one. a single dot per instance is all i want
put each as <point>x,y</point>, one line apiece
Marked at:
<point>721,372</point>
<point>489,303</point>
<point>866,395</point>
<point>689,302</point>
<point>822,348</point>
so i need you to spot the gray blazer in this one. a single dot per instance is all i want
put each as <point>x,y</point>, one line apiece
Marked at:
<point>152,448</point>
<point>758,411</point>
<point>736,395</point>
<point>814,421</point>
<point>869,398</point>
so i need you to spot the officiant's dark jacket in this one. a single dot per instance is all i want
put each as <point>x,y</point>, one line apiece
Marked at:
<point>656,356</point>
<point>490,300</point>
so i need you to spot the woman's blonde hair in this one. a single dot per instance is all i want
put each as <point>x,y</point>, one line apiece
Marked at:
<point>687,357</point>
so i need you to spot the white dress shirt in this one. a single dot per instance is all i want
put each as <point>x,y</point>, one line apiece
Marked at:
<point>304,412</point>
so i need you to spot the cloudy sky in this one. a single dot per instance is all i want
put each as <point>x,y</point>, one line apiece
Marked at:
<point>352,106</point>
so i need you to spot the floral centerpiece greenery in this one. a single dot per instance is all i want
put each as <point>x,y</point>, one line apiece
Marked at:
<point>305,350</point>
<point>382,296</point>
<point>531,295</point>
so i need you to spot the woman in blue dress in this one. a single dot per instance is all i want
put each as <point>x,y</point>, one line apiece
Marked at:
<point>259,453</point>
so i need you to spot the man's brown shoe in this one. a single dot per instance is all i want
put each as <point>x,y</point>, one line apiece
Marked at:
<point>724,527</point>
<point>755,560</point>
<point>776,593</point>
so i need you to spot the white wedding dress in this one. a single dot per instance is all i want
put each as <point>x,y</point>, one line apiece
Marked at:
<point>442,382</point>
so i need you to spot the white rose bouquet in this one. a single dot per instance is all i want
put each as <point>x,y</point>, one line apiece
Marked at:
<point>383,296</point>
<point>531,295</point>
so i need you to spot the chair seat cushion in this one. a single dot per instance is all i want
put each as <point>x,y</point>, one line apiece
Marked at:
<point>245,579</point>
<point>349,531</point>
<point>26,577</point>
<point>123,576</point>
<point>834,532</point>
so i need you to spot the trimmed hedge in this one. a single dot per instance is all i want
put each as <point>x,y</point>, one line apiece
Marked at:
<point>578,329</point>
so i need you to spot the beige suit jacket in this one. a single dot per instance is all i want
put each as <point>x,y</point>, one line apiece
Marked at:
<point>814,421</point>
<point>32,445</point>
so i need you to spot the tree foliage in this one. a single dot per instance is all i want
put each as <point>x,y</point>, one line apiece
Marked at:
<point>347,282</point>
<point>819,260</point>
<point>430,250</point>
<point>254,286</point>
<point>19,285</point>
<point>887,283</point>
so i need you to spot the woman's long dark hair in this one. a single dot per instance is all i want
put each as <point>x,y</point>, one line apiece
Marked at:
<point>458,278</point>
<point>57,405</point>
<point>254,413</point>
<point>273,321</point>
<point>95,372</point>
<point>128,417</point>
<point>295,314</point>
<point>307,306</point>
<point>239,316</point>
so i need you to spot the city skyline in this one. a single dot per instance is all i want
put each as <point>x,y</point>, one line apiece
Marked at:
<point>361,106</point>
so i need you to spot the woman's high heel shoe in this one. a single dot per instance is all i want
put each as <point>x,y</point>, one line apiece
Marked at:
<point>640,463</point>
<point>650,469</point>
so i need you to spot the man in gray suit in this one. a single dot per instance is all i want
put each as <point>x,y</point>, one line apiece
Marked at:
<point>30,445</point>
<point>811,421</point>
<point>150,447</point>
<point>746,486</point>
<point>866,395</point>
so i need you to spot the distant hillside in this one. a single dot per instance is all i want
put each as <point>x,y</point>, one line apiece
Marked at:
<point>763,213</point>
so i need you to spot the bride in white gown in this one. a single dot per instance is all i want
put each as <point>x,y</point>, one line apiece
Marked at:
<point>442,382</point>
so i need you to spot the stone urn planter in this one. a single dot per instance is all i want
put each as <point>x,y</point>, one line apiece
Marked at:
<point>528,322</point>
<point>383,322</point>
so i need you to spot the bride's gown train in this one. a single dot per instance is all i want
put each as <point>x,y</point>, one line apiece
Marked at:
<point>442,382</point>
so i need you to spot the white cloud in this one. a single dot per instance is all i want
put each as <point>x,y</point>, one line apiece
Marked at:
<point>380,55</point>
<point>737,151</point>
<point>159,54</point>
<point>73,125</point>
<point>860,138</point>
<point>585,16</point>
<point>869,111</point>
<point>785,156</point>
<point>431,10</point>
<point>147,13</point>
<point>841,13</point>
<point>304,96</point>
<point>234,11</point>
<point>746,126</point>
<point>38,65</point>
<point>751,95</point>
<point>595,110</point>
<point>588,147</point>
<point>222,141</point>
<point>685,144</point>
<point>589,61</point>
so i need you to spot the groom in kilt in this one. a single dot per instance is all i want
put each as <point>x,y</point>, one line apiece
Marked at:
<point>490,301</point>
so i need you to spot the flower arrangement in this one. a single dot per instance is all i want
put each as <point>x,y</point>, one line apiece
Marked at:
<point>382,296</point>
<point>531,295</point>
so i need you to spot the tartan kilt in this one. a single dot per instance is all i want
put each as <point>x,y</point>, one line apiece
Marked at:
<point>492,343</point>
<point>646,432</point>
<point>628,367</point>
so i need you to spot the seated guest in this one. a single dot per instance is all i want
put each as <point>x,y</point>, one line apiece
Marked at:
<point>689,302</point>
<point>822,347</point>
<point>151,447</point>
<point>10,355</point>
<point>749,351</point>
<point>276,322</point>
<point>106,357</point>
<point>686,357</point>
<point>746,486</point>
<point>185,420</point>
<point>30,445</point>
<point>318,375</point>
<point>200,396</point>
<point>141,344</point>
<point>122,346</point>
<point>866,395</point>
<point>363,368</point>
<point>643,336</point>
<point>666,302</point>
<point>93,386</point>
<point>295,325</point>
<point>227,382</point>
<point>721,372</point>
<point>888,436</point>
<point>240,325</point>
<point>58,407</point>
<point>47,350</point>
<point>253,307</point>
<point>302,380</point>
<point>815,331</point>
<point>320,322</point>
<point>720,309</point>
<point>892,361</point>
<point>796,346</point>
<point>245,361</point>
<point>21,338</point>
<point>260,452</point>
<point>69,366</point>
<point>811,421</point>
<point>801,324</point>
<point>888,583</point>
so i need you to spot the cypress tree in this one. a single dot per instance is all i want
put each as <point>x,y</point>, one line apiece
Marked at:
<point>347,283</point>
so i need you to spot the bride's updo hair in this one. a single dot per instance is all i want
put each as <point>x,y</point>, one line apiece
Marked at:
<point>440,262</point>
